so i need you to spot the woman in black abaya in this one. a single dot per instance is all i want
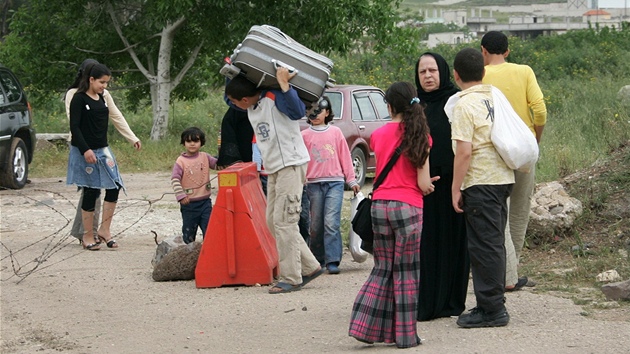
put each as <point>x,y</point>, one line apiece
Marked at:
<point>444,263</point>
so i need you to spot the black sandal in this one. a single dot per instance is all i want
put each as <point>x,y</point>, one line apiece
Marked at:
<point>110,244</point>
<point>92,246</point>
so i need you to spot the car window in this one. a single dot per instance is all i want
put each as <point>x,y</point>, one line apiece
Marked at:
<point>379,103</point>
<point>335,102</point>
<point>365,107</point>
<point>3,100</point>
<point>356,114</point>
<point>11,87</point>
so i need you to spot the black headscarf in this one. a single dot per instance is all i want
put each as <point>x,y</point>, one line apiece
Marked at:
<point>441,156</point>
<point>446,89</point>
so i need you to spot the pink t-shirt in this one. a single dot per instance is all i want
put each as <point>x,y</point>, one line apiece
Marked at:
<point>330,155</point>
<point>401,183</point>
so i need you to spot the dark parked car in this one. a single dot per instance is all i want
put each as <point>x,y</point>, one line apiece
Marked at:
<point>359,110</point>
<point>17,136</point>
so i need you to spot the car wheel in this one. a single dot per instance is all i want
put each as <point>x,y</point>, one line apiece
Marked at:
<point>16,173</point>
<point>360,166</point>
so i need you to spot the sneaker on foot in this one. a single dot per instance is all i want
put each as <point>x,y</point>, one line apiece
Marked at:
<point>478,318</point>
<point>332,268</point>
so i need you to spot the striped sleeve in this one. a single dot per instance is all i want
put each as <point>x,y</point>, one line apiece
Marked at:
<point>176,182</point>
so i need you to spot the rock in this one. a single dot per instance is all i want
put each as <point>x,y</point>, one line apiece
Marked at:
<point>581,250</point>
<point>621,209</point>
<point>624,95</point>
<point>53,136</point>
<point>617,291</point>
<point>608,276</point>
<point>552,209</point>
<point>48,141</point>
<point>175,260</point>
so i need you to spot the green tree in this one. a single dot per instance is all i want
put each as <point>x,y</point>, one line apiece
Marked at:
<point>165,49</point>
<point>7,9</point>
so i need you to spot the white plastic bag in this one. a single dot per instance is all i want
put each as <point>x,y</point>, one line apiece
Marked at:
<point>511,137</point>
<point>357,253</point>
<point>450,106</point>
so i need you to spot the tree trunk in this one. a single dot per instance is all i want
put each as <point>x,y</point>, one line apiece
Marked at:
<point>160,81</point>
<point>161,93</point>
<point>160,97</point>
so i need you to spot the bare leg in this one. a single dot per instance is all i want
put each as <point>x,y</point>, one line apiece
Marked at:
<point>88,236</point>
<point>104,232</point>
<point>77,225</point>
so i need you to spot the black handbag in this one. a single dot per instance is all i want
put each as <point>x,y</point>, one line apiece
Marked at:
<point>362,220</point>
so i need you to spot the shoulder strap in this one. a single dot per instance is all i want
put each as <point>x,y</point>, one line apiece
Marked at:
<point>388,167</point>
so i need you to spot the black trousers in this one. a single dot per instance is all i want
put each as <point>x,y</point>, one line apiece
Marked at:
<point>485,211</point>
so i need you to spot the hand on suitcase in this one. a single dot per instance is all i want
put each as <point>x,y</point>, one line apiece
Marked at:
<point>283,76</point>
<point>277,64</point>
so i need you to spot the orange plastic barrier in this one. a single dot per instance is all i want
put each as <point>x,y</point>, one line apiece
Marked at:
<point>238,247</point>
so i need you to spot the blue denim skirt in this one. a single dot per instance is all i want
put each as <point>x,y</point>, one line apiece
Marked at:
<point>103,174</point>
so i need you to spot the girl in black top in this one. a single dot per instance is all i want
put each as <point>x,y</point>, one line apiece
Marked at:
<point>92,164</point>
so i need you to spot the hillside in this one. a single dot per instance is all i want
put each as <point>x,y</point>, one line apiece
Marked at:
<point>566,265</point>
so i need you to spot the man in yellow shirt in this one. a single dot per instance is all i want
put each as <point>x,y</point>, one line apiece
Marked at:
<point>518,83</point>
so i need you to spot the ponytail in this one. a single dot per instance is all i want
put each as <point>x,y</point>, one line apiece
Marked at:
<point>402,99</point>
<point>95,70</point>
<point>77,78</point>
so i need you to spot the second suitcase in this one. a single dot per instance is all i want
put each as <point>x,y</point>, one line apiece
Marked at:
<point>266,47</point>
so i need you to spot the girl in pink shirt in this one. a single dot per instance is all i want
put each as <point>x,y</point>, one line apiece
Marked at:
<point>330,166</point>
<point>191,183</point>
<point>386,307</point>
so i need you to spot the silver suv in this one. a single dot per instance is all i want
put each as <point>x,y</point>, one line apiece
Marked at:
<point>17,135</point>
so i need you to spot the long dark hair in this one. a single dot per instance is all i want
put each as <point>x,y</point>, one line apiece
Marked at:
<point>77,78</point>
<point>401,97</point>
<point>95,70</point>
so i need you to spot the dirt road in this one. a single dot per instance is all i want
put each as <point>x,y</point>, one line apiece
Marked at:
<point>57,297</point>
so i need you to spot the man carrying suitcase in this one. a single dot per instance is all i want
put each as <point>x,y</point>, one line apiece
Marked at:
<point>274,116</point>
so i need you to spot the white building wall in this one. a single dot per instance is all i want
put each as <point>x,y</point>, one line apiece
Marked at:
<point>447,38</point>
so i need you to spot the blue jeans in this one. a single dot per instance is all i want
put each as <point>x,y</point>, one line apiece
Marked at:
<point>326,199</point>
<point>263,182</point>
<point>194,215</point>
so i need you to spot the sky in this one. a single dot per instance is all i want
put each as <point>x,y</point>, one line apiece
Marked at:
<point>614,4</point>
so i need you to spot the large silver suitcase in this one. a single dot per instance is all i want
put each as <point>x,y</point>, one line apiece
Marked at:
<point>265,48</point>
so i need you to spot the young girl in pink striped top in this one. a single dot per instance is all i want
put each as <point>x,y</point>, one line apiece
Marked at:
<point>330,166</point>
